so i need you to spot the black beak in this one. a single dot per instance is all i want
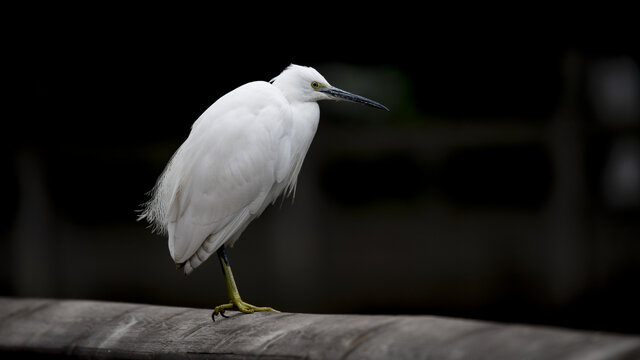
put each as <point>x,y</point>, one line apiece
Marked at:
<point>339,94</point>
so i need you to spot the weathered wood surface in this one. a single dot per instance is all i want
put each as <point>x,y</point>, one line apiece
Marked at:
<point>117,330</point>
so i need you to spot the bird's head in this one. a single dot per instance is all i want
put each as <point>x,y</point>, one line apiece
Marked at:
<point>305,84</point>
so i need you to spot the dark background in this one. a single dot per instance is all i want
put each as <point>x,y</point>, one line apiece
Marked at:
<point>504,184</point>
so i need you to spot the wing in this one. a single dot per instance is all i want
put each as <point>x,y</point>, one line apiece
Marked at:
<point>224,174</point>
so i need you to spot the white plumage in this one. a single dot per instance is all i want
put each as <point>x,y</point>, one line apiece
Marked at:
<point>242,153</point>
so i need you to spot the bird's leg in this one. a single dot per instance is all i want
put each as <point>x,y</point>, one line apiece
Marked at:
<point>235,302</point>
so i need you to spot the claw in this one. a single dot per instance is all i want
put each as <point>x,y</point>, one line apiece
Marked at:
<point>239,305</point>
<point>216,312</point>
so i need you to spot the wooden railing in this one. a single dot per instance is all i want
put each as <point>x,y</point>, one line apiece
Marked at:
<point>45,327</point>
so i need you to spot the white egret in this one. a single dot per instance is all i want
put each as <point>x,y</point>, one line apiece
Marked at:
<point>242,153</point>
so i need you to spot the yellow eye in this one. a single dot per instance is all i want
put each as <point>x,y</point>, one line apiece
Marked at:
<point>315,84</point>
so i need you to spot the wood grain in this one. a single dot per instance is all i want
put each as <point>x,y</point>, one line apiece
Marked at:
<point>118,330</point>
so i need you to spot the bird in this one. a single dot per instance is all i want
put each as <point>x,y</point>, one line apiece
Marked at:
<point>242,153</point>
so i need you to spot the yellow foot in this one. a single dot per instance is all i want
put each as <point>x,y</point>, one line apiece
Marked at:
<point>240,306</point>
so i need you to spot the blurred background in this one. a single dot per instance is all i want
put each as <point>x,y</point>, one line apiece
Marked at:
<point>504,184</point>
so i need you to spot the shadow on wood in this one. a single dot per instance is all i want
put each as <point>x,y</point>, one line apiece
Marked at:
<point>118,330</point>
